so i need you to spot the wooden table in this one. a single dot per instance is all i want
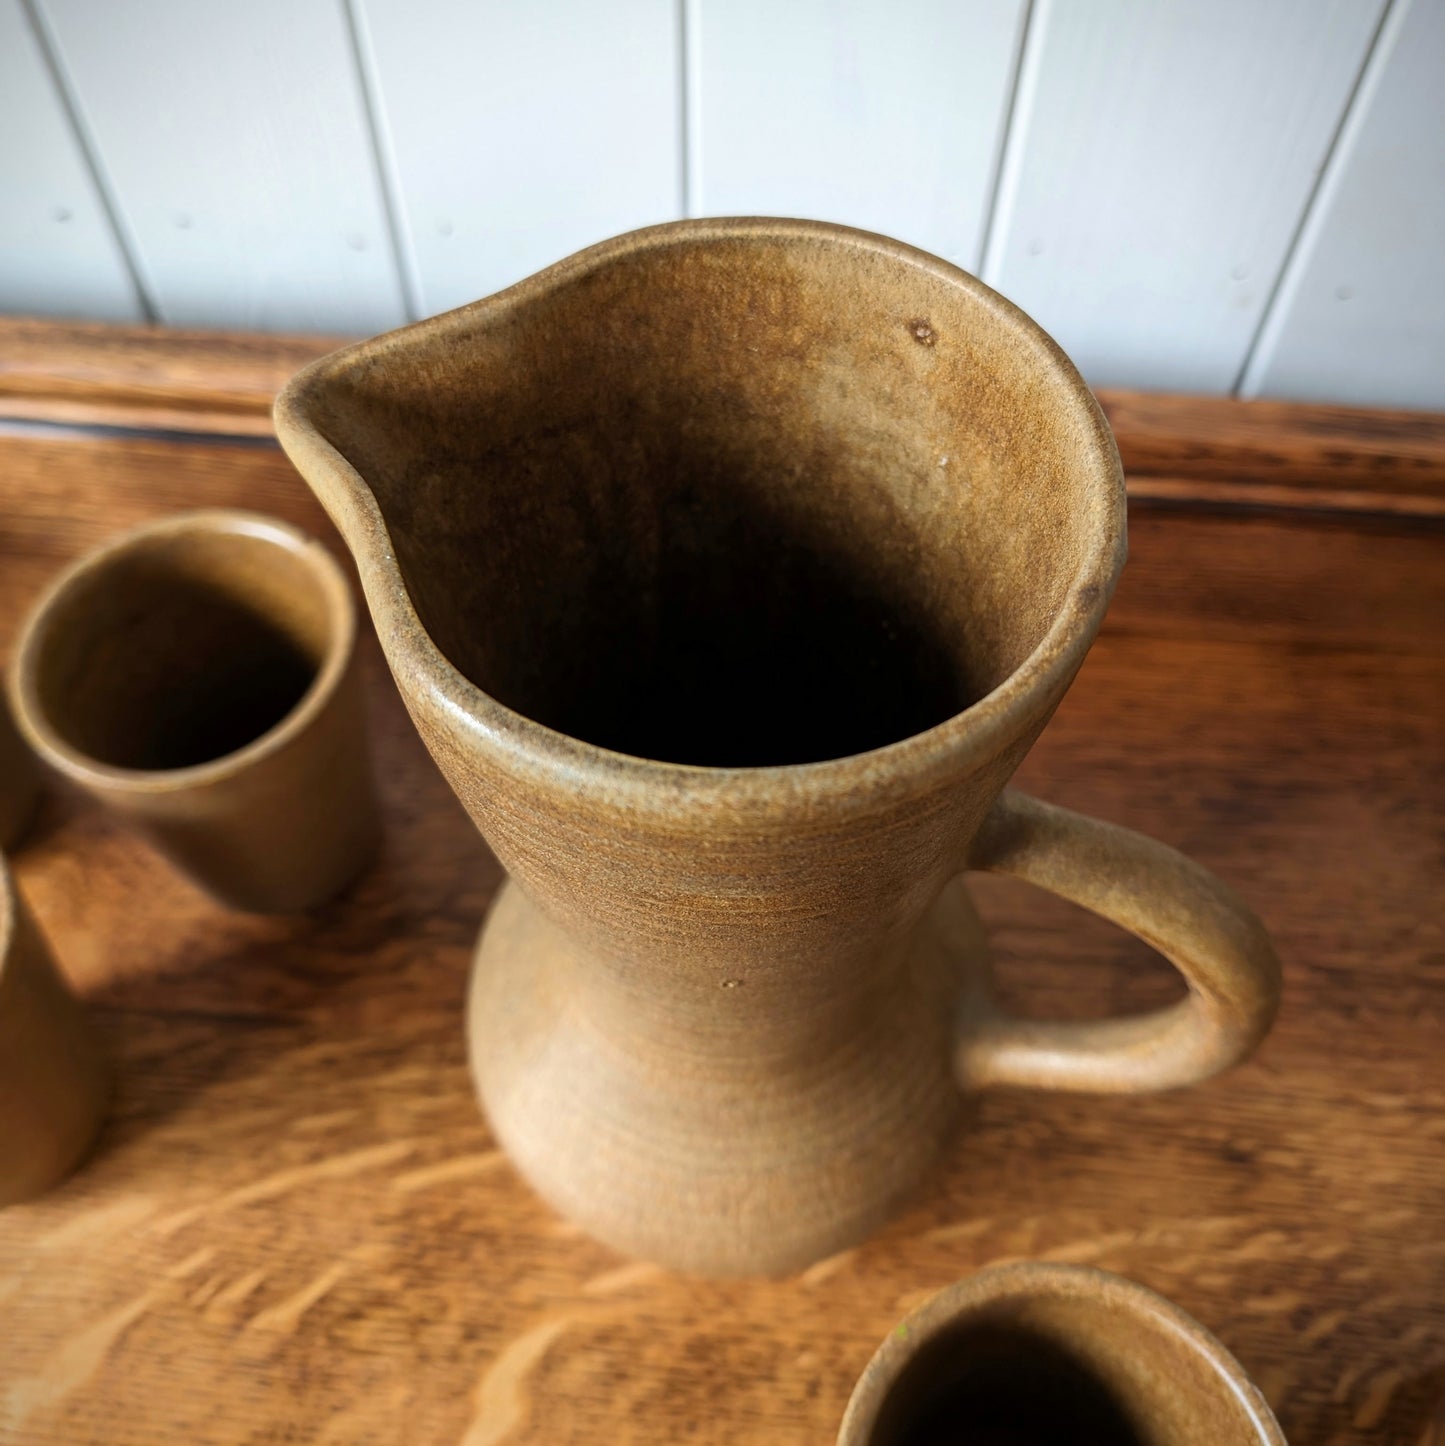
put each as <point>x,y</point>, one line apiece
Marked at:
<point>298,1229</point>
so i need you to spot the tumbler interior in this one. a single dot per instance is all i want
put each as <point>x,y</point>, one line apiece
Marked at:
<point>1052,1356</point>
<point>181,647</point>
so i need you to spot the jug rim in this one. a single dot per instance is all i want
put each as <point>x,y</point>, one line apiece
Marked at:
<point>530,749</point>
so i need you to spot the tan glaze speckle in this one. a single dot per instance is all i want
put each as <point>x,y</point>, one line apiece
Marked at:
<point>198,676</point>
<point>732,675</point>
<point>1053,1355</point>
<point>52,1081</point>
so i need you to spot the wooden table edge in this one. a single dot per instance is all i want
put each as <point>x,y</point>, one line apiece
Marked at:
<point>1179,449</point>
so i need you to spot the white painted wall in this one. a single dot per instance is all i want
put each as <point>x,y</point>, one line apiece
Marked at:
<point>1160,159</point>
<point>517,133</point>
<point>234,138</point>
<point>1212,195</point>
<point>1362,303</point>
<point>58,254</point>
<point>888,117</point>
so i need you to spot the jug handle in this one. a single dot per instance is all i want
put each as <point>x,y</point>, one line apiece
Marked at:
<point>1173,904</point>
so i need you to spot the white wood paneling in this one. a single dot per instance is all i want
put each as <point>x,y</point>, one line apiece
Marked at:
<point>1146,177</point>
<point>235,140</point>
<point>1360,316</point>
<point>518,133</point>
<point>885,114</point>
<point>58,253</point>
<point>1160,157</point>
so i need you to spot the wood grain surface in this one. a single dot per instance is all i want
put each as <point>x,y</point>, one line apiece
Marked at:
<point>297,1227</point>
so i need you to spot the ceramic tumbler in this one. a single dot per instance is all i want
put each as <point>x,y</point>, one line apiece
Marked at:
<point>199,677</point>
<point>729,569</point>
<point>52,1082</point>
<point>1054,1355</point>
<point>19,781</point>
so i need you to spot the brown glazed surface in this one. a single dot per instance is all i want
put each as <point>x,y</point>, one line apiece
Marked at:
<point>729,570</point>
<point>198,676</point>
<point>52,1083</point>
<point>1054,1355</point>
<point>298,1211</point>
<point>19,780</point>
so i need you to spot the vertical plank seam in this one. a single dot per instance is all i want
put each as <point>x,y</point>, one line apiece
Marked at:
<point>1008,157</point>
<point>48,45</point>
<point>383,158</point>
<point>689,15</point>
<point>1296,254</point>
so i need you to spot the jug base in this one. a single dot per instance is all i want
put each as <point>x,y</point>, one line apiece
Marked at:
<point>715,1171</point>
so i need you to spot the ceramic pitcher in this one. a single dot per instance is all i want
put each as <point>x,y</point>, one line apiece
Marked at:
<point>729,569</point>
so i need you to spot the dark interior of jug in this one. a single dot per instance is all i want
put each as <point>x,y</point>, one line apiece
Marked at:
<point>728,503</point>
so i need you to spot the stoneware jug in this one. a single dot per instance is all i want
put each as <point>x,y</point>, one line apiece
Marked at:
<point>1054,1355</point>
<point>729,569</point>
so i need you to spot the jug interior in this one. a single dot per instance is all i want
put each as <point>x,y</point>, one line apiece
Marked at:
<point>728,502</point>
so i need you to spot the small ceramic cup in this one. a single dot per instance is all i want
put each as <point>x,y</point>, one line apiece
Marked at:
<point>52,1082</point>
<point>1044,1355</point>
<point>19,781</point>
<point>199,677</point>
